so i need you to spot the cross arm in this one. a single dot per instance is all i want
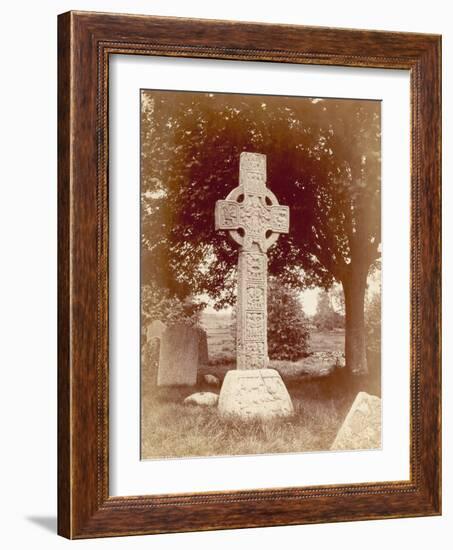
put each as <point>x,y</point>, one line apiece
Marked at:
<point>279,222</point>
<point>226,214</point>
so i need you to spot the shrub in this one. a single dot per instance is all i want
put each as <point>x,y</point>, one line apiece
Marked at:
<point>159,304</point>
<point>326,318</point>
<point>287,331</point>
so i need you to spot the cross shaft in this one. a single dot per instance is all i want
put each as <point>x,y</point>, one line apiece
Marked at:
<point>254,219</point>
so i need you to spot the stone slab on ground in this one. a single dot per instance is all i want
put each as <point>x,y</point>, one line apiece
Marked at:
<point>361,428</point>
<point>259,393</point>
<point>202,398</point>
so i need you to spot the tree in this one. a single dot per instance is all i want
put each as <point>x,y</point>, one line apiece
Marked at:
<point>373,322</point>
<point>158,304</point>
<point>323,160</point>
<point>287,332</point>
<point>326,318</point>
<point>337,300</point>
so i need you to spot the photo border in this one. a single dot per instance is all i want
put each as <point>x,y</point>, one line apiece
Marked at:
<point>85,42</point>
<point>127,474</point>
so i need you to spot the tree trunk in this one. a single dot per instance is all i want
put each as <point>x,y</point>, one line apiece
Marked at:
<point>355,339</point>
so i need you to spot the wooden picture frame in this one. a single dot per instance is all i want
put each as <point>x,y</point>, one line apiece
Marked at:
<point>85,42</point>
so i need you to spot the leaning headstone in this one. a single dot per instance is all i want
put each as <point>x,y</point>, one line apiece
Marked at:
<point>178,357</point>
<point>150,351</point>
<point>361,428</point>
<point>202,398</point>
<point>211,380</point>
<point>155,330</point>
<point>254,220</point>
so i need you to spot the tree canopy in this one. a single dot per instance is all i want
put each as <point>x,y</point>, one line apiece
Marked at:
<point>326,317</point>
<point>323,161</point>
<point>287,331</point>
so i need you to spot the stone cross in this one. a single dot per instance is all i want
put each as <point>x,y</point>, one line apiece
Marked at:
<point>254,220</point>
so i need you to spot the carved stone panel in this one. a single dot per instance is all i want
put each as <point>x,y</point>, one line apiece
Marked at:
<point>252,310</point>
<point>279,219</point>
<point>254,394</point>
<point>252,172</point>
<point>255,297</point>
<point>227,215</point>
<point>255,266</point>
<point>254,220</point>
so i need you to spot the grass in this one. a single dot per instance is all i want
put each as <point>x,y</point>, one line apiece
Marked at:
<point>327,340</point>
<point>321,397</point>
<point>172,429</point>
<point>321,402</point>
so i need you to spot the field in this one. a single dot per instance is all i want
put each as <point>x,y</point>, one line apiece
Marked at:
<point>321,399</point>
<point>221,338</point>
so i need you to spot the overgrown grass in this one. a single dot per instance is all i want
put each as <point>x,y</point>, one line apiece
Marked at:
<point>326,340</point>
<point>172,429</point>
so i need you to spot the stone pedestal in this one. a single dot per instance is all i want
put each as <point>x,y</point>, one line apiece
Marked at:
<point>258,393</point>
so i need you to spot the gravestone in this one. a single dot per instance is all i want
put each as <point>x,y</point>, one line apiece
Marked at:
<point>202,398</point>
<point>150,350</point>
<point>254,220</point>
<point>155,330</point>
<point>361,428</point>
<point>178,357</point>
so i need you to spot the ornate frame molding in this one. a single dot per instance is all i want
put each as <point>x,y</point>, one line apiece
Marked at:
<point>85,41</point>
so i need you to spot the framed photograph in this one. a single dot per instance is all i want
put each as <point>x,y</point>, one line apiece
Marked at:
<point>249,275</point>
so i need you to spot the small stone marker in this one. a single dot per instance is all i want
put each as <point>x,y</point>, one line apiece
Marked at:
<point>211,380</point>
<point>178,357</point>
<point>254,220</point>
<point>361,428</point>
<point>155,330</point>
<point>202,398</point>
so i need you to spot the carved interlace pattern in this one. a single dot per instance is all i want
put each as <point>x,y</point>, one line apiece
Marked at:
<point>253,217</point>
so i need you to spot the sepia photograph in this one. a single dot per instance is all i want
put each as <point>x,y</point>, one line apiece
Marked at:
<point>260,274</point>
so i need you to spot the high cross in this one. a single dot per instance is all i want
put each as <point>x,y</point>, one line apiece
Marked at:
<point>254,220</point>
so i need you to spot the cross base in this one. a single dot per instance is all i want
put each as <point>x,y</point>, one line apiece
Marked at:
<point>251,394</point>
